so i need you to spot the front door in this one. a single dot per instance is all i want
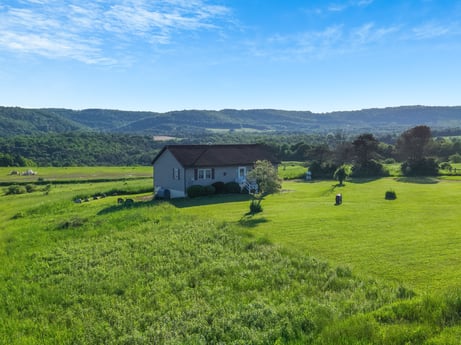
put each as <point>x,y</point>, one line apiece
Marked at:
<point>242,173</point>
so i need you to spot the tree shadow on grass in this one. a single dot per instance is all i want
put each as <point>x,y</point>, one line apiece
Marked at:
<point>127,206</point>
<point>418,180</point>
<point>361,180</point>
<point>313,181</point>
<point>210,200</point>
<point>249,221</point>
<point>332,189</point>
<point>179,203</point>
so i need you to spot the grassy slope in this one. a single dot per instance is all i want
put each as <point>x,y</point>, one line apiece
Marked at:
<point>414,239</point>
<point>99,272</point>
<point>95,272</point>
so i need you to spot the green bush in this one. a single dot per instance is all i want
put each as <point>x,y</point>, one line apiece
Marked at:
<point>219,187</point>
<point>15,189</point>
<point>209,190</point>
<point>255,206</point>
<point>420,167</point>
<point>195,191</point>
<point>31,188</point>
<point>74,222</point>
<point>198,190</point>
<point>446,166</point>
<point>232,187</point>
<point>456,158</point>
<point>390,195</point>
<point>322,169</point>
<point>371,168</point>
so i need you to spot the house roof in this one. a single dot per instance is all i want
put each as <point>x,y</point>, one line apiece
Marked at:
<point>218,155</point>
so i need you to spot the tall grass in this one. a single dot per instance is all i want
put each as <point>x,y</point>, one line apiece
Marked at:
<point>149,274</point>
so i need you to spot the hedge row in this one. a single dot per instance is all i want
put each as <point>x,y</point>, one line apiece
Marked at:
<point>215,188</point>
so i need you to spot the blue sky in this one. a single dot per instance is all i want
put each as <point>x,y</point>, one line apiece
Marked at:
<point>163,55</point>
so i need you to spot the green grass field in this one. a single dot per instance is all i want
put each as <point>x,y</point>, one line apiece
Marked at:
<point>201,271</point>
<point>415,239</point>
<point>74,173</point>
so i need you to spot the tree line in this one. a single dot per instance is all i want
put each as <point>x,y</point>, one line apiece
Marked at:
<point>417,148</point>
<point>78,149</point>
<point>418,152</point>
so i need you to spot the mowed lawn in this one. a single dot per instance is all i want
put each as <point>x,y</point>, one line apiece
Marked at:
<point>415,240</point>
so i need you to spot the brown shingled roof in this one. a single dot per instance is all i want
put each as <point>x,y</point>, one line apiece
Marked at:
<point>218,155</point>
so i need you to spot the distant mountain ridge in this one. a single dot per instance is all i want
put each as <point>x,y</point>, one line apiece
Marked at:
<point>22,121</point>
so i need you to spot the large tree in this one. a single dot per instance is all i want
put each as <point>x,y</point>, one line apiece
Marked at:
<point>413,144</point>
<point>365,147</point>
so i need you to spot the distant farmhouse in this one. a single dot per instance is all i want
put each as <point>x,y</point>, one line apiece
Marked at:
<point>177,167</point>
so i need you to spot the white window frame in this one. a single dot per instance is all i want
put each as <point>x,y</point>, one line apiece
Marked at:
<point>204,174</point>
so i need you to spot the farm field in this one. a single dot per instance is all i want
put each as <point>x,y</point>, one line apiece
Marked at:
<point>74,173</point>
<point>201,271</point>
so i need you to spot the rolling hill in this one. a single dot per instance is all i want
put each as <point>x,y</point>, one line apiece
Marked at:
<point>15,120</point>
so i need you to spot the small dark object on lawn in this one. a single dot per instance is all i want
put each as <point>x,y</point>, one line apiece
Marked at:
<point>390,195</point>
<point>338,199</point>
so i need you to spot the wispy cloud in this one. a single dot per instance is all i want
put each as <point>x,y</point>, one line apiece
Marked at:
<point>82,29</point>
<point>341,6</point>
<point>433,30</point>
<point>350,38</point>
<point>331,41</point>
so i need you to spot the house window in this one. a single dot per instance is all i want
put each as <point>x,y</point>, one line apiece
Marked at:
<point>204,174</point>
<point>176,174</point>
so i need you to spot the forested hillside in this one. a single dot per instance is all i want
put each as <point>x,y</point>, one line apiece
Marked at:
<point>78,149</point>
<point>16,121</point>
<point>20,121</point>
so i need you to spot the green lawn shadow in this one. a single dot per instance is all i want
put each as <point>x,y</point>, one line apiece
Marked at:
<point>248,221</point>
<point>209,200</point>
<point>133,205</point>
<point>418,179</point>
<point>348,180</point>
<point>361,180</point>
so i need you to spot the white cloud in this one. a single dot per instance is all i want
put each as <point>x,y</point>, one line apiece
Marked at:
<point>364,2</point>
<point>332,40</point>
<point>432,30</point>
<point>342,6</point>
<point>368,34</point>
<point>81,29</point>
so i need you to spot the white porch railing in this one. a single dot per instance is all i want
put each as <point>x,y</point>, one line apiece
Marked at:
<point>251,186</point>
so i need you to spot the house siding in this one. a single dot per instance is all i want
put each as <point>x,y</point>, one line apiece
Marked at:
<point>164,177</point>
<point>221,174</point>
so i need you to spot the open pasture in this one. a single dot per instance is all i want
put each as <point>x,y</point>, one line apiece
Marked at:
<point>149,273</point>
<point>202,270</point>
<point>415,239</point>
<point>74,173</point>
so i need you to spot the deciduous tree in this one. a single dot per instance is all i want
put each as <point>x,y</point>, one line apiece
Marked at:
<point>365,147</point>
<point>412,144</point>
<point>266,175</point>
